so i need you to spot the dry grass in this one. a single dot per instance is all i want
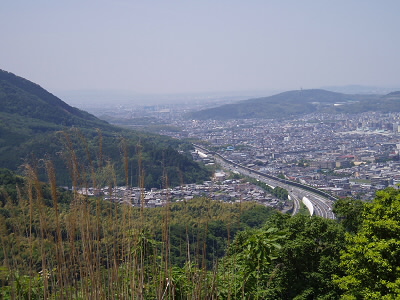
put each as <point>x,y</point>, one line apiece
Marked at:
<point>93,249</point>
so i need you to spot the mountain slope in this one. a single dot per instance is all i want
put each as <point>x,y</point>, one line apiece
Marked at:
<point>386,103</point>
<point>25,98</point>
<point>35,124</point>
<point>280,105</point>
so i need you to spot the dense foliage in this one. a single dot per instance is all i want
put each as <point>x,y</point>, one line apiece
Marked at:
<point>35,124</point>
<point>310,255</point>
<point>371,260</point>
<point>58,244</point>
<point>61,245</point>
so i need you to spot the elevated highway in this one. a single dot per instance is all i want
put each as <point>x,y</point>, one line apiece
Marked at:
<point>319,203</point>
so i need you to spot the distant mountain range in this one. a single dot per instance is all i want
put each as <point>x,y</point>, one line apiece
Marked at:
<point>294,103</point>
<point>35,125</point>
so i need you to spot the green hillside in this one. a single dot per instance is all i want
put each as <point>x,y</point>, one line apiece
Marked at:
<point>283,105</point>
<point>34,124</point>
<point>25,98</point>
<point>57,244</point>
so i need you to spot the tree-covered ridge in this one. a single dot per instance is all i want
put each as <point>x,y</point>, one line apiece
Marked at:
<point>294,103</point>
<point>94,148</point>
<point>25,98</point>
<point>133,157</point>
<point>35,124</point>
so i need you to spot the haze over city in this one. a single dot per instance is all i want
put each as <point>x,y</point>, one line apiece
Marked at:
<point>164,47</point>
<point>199,149</point>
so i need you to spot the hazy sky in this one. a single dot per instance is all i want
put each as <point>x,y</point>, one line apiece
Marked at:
<point>150,46</point>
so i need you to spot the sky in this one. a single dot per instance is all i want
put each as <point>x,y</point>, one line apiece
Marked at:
<point>161,47</point>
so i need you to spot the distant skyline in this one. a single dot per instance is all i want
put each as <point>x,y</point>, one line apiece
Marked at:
<point>166,47</point>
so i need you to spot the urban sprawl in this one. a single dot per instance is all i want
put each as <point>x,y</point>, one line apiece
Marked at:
<point>347,155</point>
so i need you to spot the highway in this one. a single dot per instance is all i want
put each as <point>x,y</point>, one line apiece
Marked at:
<point>296,203</point>
<point>321,202</point>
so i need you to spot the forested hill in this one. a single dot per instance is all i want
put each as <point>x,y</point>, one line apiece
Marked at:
<point>34,124</point>
<point>282,105</point>
<point>24,98</point>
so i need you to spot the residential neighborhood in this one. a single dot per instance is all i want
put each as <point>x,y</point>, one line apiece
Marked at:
<point>220,189</point>
<point>347,155</point>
